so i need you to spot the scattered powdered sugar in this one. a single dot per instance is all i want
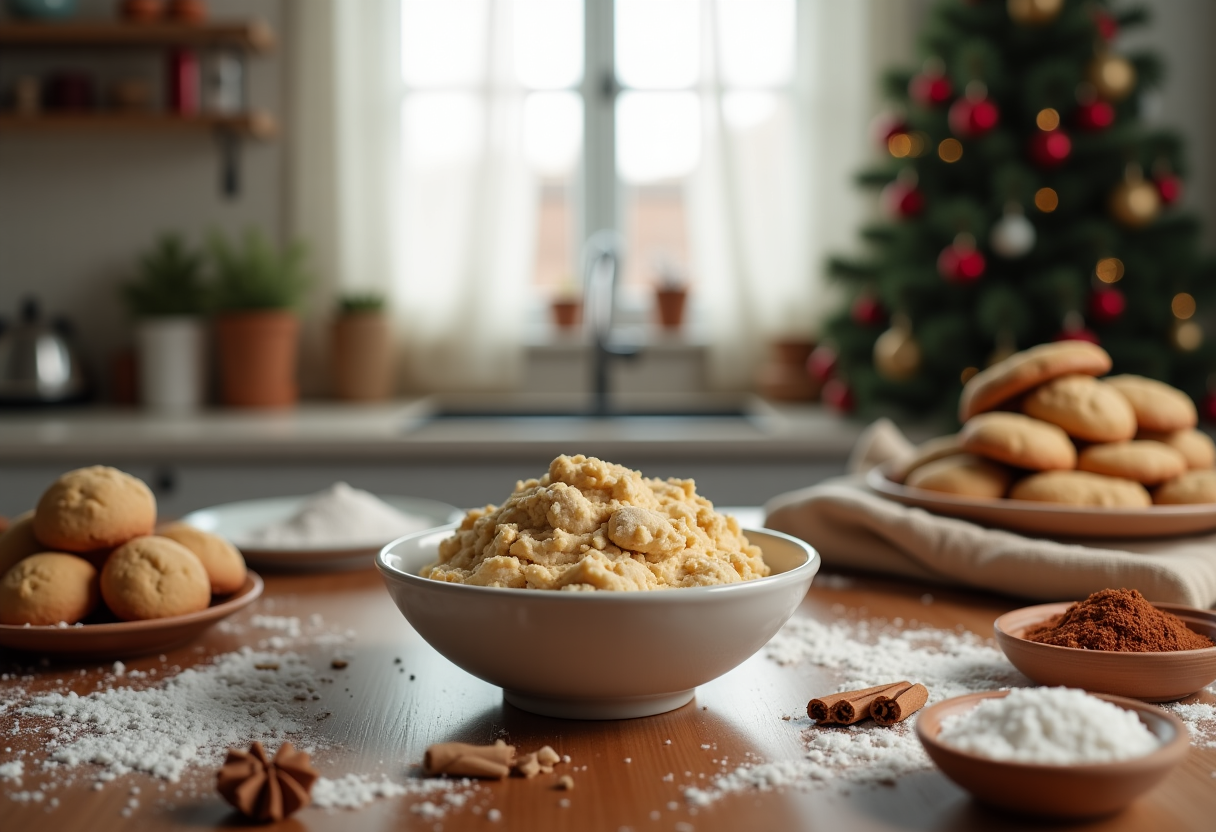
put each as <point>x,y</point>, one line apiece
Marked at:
<point>339,516</point>
<point>12,771</point>
<point>1200,719</point>
<point>189,719</point>
<point>1053,726</point>
<point>353,791</point>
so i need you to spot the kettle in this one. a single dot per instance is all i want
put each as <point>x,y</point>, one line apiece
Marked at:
<point>38,364</point>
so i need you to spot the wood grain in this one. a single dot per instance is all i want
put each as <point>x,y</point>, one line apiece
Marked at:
<point>381,720</point>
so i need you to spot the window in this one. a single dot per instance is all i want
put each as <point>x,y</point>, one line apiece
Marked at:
<point>613,100</point>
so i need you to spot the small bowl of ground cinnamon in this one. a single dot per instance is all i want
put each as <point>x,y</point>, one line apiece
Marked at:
<point>1115,641</point>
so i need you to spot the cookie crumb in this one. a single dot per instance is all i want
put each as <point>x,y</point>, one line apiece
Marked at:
<point>338,664</point>
<point>565,783</point>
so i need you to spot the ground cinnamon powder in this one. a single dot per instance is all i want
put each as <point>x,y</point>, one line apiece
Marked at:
<point>1119,620</point>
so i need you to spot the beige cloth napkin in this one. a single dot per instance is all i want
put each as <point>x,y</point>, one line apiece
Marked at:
<point>855,528</point>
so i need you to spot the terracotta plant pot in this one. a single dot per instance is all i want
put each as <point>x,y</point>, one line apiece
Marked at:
<point>257,357</point>
<point>671,304</point>
<point>784,376</point>
<point>362,356</point>
<point>567,314</point>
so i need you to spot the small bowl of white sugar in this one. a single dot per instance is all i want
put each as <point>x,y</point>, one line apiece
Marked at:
<point>1052,752</point>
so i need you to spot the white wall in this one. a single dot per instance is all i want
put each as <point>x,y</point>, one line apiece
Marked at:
<point>75,210</point>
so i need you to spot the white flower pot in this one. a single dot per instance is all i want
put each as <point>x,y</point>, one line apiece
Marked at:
<point>172,363</point>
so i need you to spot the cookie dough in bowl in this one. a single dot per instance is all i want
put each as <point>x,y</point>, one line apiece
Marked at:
<point>636,633</point>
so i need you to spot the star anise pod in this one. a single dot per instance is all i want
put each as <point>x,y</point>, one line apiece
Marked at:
<point>265,789</point>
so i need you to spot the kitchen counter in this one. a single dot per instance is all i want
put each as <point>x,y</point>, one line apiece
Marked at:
<point>401,448</point>
<point>398,695</point>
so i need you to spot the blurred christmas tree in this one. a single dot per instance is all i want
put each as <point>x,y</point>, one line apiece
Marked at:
<point>1025,201</point>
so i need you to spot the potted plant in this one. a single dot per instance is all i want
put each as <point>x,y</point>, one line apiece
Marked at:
<point>257,290</point>
<point>671,295</point>
<point>362,349</point>
<point>567,305</point>
<point>168,299</point>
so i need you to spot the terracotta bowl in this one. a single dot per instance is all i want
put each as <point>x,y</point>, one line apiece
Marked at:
<point>128,638</point>
<point>1056,791</point>
<point>597,655</point>
<point>1153,677</point>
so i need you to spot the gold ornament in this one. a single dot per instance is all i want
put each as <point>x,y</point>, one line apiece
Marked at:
<point>1134,203</point>
<point>896,353</point>
<point>1034,12</point>
<point>1113,76</point>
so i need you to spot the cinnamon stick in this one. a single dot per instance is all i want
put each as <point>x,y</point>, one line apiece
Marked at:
<point>463,760</point>
<point>822,709</point>
<point>888,710</point>
<point>857,707</point>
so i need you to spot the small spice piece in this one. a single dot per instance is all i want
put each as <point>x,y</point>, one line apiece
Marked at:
<point>537,762</point>
<point>266,666</point>
<point>824,708</point>
<point>267,790</point>
<point>1119,620</point>
<point>338,664</point>
<point>891,707</point>
<point>460,759</point>
<point>566,783</point>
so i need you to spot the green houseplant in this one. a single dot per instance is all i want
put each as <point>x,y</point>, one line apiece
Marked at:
<point>362,348</point>
<point>258,288</point>
<point>168,298</point>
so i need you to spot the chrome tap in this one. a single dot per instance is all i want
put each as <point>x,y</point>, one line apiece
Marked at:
<point>602,256</point>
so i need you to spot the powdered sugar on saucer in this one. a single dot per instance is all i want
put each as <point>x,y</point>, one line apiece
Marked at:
<point>340,517</point>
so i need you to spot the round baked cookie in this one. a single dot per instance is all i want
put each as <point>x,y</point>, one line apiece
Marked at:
<point>94,508</point>
<point>1191,487</point>
<point>224,564</point>
<point>47,588</point>
<point>1142,460</point>
<point>154,577</point>
<point>1018,440</point>
<point>1027,369</point>
<point>1087,409</point>
<point>924,453</point>
<point>1195,446</point>
<point>1158,406</point>
<point>1081,488</point>
<point>18,543</point>
<point>966,475</point>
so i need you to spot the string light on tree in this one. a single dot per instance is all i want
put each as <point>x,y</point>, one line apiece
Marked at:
<point>950,150</point>
<point>1046,200</point>
<point>888,125</point>
<point>974,114</point>
<point>1186,334</point>
<point>1109,270</point>
<point>1113,76</point>
<point>1012,235</point>
<point>897,355</point>
<point>1034,12</point>
<point>961,262</point>
<point>1134,203</point>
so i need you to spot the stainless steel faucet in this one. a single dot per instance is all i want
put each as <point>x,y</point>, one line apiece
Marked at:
<point>602,257</point>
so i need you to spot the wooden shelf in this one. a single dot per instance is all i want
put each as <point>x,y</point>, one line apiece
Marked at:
<point>254,36</point>
<point>256,125</point>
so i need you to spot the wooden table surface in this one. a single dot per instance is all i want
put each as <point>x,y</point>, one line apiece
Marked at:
<point>385,713</point>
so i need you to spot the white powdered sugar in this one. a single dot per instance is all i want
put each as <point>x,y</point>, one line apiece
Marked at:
<point>1052,726</point>
<point>339,517</point>
<point>12,771</point>
<point>189,719</point>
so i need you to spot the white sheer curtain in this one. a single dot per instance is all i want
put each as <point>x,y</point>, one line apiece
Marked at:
<point>774,195</point>
<point>425,197</point>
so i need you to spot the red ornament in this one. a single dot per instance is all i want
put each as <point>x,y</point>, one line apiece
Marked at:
<point>1108,27</point>
<point>1106,304</point>
<point>902,199</point>
<point>930,89</point>
<point>971,118</point>
<point>821,363</point>
<point>868,311</point>
<point>1095,115</point>
<point>837,395</point>
<point>1050,148</point>
<point>1169,187</point>
<point>960,262</point>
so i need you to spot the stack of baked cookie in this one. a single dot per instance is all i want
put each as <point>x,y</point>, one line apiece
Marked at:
<point>1044,425</point>
<point>90,541</point>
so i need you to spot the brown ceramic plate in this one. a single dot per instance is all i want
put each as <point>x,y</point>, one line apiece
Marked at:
<point>1153,677</point>
<point>1069,791</point>
<point>127,638</point>
<point>1052,519</point>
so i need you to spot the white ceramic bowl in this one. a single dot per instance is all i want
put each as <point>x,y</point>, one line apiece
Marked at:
<point>597,655</point>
